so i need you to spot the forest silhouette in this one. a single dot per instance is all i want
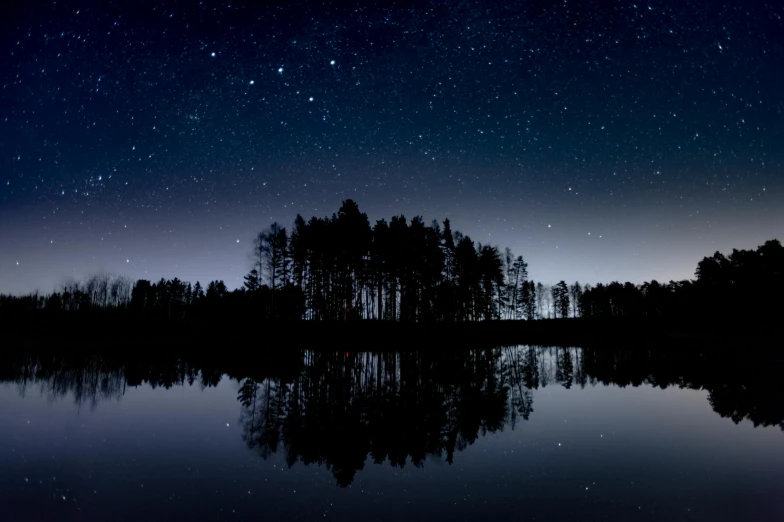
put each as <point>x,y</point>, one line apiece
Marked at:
<point>336,408</point>
<point>341,269</point>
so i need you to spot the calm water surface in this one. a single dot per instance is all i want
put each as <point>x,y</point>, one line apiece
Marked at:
<point>523,433</point>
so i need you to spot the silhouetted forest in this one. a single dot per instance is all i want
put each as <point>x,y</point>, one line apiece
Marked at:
<point>336,408</point>
<point>744,285</point>
<point>340,268</point>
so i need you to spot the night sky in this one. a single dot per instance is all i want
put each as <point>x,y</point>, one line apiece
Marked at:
<point>600,140</point>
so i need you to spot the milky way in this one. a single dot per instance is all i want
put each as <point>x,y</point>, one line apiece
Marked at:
<point>600,140</point>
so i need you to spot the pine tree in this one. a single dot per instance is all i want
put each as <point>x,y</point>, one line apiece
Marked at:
<point>198,293</point>
<point>252,281</point>
<point>560,293</point>
<point>576,293</point>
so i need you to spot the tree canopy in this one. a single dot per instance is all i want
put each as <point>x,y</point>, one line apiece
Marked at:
<point>342,268</point>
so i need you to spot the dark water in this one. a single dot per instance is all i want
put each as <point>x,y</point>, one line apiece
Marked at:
<point>521,433</point>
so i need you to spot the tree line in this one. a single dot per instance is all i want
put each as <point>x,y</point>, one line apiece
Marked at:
<point>340,268</point>
<point>744,285</point>
<point>336,268</point>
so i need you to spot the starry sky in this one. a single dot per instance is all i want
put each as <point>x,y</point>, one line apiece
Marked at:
<point>601,140</point>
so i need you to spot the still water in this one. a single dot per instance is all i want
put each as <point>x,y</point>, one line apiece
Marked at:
<point>522,433</point>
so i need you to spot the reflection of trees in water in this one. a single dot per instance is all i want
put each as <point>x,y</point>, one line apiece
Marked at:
<point>398,407</point>
<point>337,408</point>
<point>89,381</point>
<point>741,386</point>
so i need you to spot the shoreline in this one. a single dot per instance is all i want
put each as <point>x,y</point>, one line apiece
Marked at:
<point>380,335</point>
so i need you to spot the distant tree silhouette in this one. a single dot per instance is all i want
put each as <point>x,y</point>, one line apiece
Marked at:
<point>252,283</point>
<point>271,252</point>
<point>198,292</point>
<point>575,295</point>
<point>539,296</point>
<point>560,296</point>
<point>188,295</point>
<point>723,289</point>
<point>447,291</point>
<point>142,296</point>
<point>215,291</point>
<point>491,273</point>
<point>298,250</point>
<point>528,300</point>
<point>467,278</point>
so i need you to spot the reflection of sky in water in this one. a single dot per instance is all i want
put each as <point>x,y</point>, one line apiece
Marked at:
<point>633,453</point>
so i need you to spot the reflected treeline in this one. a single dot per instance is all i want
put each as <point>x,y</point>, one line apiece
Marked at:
<point>89,380</point>
<point>741,386</point>
<point>399,407</point>
<point>337,409</point>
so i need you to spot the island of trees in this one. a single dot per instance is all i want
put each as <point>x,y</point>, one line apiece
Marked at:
<point>341,269</point>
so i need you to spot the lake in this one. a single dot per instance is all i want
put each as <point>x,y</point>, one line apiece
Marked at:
<point>522,433</point>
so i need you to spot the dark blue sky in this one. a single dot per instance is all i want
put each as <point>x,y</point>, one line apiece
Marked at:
<point>600,140</point>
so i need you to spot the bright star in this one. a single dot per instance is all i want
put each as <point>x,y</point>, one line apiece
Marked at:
<point>212,54</point>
